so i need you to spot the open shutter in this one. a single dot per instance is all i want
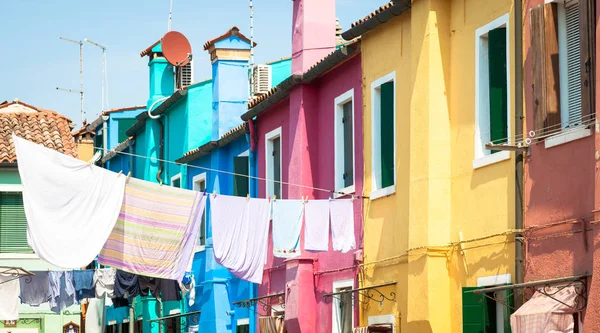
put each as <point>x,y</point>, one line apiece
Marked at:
<point>587,16</point>
<point>508,310</point>
<point>240,183</point>
<point>13,224</point>
<point>387,134</point>
<point>277,167</point>
<point>348,145</point>
<point>545,63</point>
<point>498,82</point>
<point>475,312</point>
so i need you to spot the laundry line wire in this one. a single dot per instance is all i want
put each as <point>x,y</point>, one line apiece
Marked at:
<point>152,158</point>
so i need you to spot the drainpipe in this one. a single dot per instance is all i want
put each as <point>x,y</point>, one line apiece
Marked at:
<point>160,151</point>
<point>104,135</point>
<point>519,184</point>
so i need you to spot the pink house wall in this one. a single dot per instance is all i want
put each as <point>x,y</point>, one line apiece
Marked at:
<point>559,196</point>
<point>318,133</point>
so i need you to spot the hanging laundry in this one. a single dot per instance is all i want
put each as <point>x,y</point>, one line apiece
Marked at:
<point>120,302</point>
<point>35,289</point>
<point>67,203</point>
<point>156,231</point>
<point>169,290</point>
<point>240,228</point>
<point>316,225</point>
<point>9,297</point>
<point>104,280</point>
<point>84,284</point>
<point>94,319</point>
<point>188,286</point>
<point>126,284</point>
<point>287,224</point>
<point>149,284</point>
<point>342,225</point>
<point>62,290</point>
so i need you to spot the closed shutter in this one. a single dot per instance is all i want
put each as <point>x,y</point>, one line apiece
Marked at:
<point>277,167</point>
<point>387,134</point>
<point>348,145</point>
<point>123,126</point>
<point>498,82</point>
<point>13,224</point>
<point>475,312</point>
<point>573,63</point>
<point>240,183</point>
<point>587,37</point>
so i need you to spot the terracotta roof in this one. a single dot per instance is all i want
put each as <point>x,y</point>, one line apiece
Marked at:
<point>84,129</point>
<point>377,17</point>
<point>149,48</point>
<point>234,31</point>
<point>371,15</point>
<point>94,124</point>
<point>47,128</point>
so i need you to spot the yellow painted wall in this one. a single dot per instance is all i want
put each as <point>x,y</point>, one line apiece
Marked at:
<point>438,193</point>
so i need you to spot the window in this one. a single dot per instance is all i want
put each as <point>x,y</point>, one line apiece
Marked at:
<point>241,167</point>
<point>273,162</point>
<point>492,86</point>
<point>383,136</point>
<point>122,126</point>
<point>563,81</point>
<point>344,142</point>
<point>343,307</point>
<point>483,314</point>
<point>176,180</point>
<point>13,224</point>
<point>243,326</point>
<point>200,185</point>
<point>184,76</point>
<point>99,140</point>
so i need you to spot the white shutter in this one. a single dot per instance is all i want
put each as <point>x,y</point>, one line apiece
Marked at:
<point>261,79</point>
<point>573,63</point>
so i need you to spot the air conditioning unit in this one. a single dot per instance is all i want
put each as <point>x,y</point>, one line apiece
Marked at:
<point>184,76</point>
<point>261,79</point>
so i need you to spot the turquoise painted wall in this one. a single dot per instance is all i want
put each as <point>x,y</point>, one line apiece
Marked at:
<point>280,70</point>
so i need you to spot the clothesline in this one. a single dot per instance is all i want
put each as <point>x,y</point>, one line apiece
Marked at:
<point>152,158</point>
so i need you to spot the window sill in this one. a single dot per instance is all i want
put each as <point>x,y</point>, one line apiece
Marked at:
<point>491,159</point>
<point>567,136</point>
<point>19,256</point>
<point>384,192</point>
<point>347,191</point>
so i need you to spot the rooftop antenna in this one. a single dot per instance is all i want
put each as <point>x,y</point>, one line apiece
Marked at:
<point>251,71</point>
<point>104,80</point>
<point>170,15</point>
<point>80,91</point>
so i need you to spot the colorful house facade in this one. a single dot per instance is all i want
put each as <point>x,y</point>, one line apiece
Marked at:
<point>308,137</point>
<point>438,86</point>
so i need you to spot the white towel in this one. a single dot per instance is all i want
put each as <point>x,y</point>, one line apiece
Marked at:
<point>316,225</point>
<point>342,225</point>
<point>9,297</point>
<point>240,229</point>
<point>68,203</point>
<point>287,224</point>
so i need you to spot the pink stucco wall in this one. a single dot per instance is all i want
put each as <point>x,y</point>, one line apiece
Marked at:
<point>308,159</point>
<point>560,187</point>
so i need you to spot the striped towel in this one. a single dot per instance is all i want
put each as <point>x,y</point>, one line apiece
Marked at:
<point>156,231</point>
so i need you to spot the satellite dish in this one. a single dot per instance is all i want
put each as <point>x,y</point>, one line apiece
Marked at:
<point>176,48</point>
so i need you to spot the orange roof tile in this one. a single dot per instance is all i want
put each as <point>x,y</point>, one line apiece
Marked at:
<point>377,11</point>
<point>149,48</point>
<point>234,31</point>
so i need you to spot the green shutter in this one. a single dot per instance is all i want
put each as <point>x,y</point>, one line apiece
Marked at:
<point>123,126</point>
<point>348,145</point>
<point>13,224</point>
<point>508,309</point>
<point>387,134</point>
<point>475,312</point>
<point>240,183</point>
<point>277,166</point>
<point>498,81</point>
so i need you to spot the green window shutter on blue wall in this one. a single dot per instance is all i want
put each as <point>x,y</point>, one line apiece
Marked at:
<point>240,183</point>
<point>387,134</point>
<point>123,126</point>
<point>498,81</point>
<point>13,224</point>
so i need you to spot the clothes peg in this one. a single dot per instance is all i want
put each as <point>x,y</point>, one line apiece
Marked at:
<point>353,197</point>
<point>274,197</point>
<point>214,194</point>
<point>248,197</point>
<point>120,172</point>
<point>128,175</point>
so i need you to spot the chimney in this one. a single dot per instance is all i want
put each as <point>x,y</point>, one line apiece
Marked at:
<point>313,32</point>
<point>338,33</point>
<point>229,54</point>
<point>162,80</point>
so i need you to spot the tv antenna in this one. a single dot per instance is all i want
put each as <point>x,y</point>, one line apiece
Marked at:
<point>80,91</point>
<point>104,78</point>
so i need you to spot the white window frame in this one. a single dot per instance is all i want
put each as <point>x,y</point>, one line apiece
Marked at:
<point>492,281</point>
<point>338,133</point>
<point>337,286</point>
<point>269,173</point>
<point>483,156</point>
<point>196,187</point>
<point>377,191</point>
<point>382,320</point>
<point>176,177</point>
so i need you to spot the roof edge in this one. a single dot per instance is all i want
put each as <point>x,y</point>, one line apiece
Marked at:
<point>161,109</point>
<point>208,147</point>
<point>379,16</point>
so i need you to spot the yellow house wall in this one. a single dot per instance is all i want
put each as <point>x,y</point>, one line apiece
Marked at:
<point>438,193</point>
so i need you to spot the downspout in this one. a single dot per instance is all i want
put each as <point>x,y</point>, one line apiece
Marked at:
<point>104,135</point>
<point>161,151</point>
<point>519,156</point>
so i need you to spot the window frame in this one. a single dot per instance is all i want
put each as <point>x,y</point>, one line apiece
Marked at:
<point>339,141</point>
<point>269,173</point>
<point>483,156</point>
<point>196,180</point>
<point>175,178</point>
<point>377,191</point>
<point>337,286</point>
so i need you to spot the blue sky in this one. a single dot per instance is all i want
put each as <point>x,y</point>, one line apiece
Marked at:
<point>35,61</point>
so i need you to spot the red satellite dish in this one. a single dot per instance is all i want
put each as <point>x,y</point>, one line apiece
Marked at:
<point>176,48</point>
